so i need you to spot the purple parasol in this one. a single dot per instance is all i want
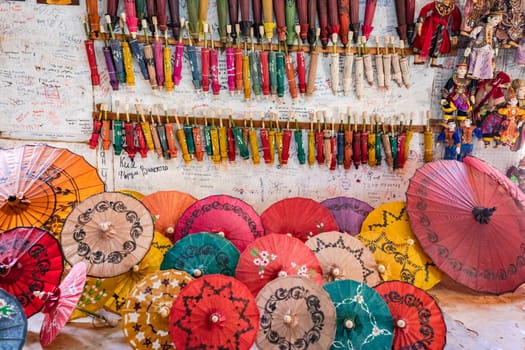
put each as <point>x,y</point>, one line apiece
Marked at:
<point>348,212</point>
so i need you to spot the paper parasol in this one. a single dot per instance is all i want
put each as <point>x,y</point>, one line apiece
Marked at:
<point>30,260</point>
<point>110,231</point>
<point>344,257</point>
<point>301,217</point>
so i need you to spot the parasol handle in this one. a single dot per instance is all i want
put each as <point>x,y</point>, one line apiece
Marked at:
<point>482,214</point>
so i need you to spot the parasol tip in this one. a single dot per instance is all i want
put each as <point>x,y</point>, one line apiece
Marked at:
<point>282,273</point>
<point>401,323</point>
<point>170,230</point>
<point>105,226</point>
<point>336,272</point>
<point>287,319</point>
<point>215,317</point>
<point>164,312</point>
<point>197,273</point>
<point>410,241</point>
<point>349,324</point>
<point>381,268</point>
<point>135,268</point>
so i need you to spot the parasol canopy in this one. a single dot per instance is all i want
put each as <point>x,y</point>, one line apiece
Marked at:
<point>469,218</point>
<point>60,303</point>
<point>363,317</point>
<point>418,320</point>
<point>348,212</point>
<point>41,184</point>
<point>273,256</point>
<point>202,254</point>
<point>119,287</point>
<point>295,313</point>
<point>110,231</point>
<point>30,260</point>
<point>236,219</point>
<point>167,207</point>
<point>145,314</point>
<point>396,249</point>
<point>214,312</point>
<point>301,217</point>
<point>13,322</point>
<point>344,257</point>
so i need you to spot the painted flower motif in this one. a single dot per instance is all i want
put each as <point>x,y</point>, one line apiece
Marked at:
<point>302,270</point>
<point>262,259</point>
<point>320,226</point>
<point>6,310</point>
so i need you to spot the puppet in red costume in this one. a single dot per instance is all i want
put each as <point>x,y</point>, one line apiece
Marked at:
<point>433,38</point>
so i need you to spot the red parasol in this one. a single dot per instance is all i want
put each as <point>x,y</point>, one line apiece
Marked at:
<point>90,52</point>
<point>301,217</point>
<point>344,20</point>
<point>418,320</point>
<point>333,19</point>
<point>458,211</point>
<point>236,219</point>
<point>279,11</point>
<point>274,256</point>
<point>214,312</point>
<point>60,303</point>
<point>30,260</point>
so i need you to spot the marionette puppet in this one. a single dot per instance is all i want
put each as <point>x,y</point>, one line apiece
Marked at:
<point>437,31</point>
<point>514,116</point>
<point>483,46</point>
<point>510,30</point>
<point>451,138</point>
<point>467,132</point>
<point>519,87</point>
<point>517,174</point>
<point>473,11</point>
<point>457,96</point>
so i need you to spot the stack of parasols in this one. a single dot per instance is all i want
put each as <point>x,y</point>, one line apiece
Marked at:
<point>184,272</point>
<point>365,140</point>
<point>261,43</point>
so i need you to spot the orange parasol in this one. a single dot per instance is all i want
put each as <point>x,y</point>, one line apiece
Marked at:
<point>167,207</point>
<point>41,184</point>
<point>110,231</point>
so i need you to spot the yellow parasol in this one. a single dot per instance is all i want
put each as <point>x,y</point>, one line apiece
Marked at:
<point>386,232</point>
<point>119,287</point>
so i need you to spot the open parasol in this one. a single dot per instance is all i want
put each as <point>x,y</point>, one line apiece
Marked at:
<point>167,207</point>
<point>60,303</point>
<point>110,231</point>
<point>214,311</point>
<point>299,216</point>
<point>145,314</point>
<point>13,322</point>
<point>41,184</point>
<point>348,212</point>
<point>202,254</point>
<point>344,257</point>
<point>118,287</point>
<point>236,219</point>
<point>274,256</point>
<point>418,320</point>
<point>386,232</point>
<point>458,211</point>
<point>295,313</point>
<point>364,320</point>
<point>30,259</point>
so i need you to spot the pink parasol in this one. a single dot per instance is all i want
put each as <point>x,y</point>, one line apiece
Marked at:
<point>59,304</point>
<point>370,9</point>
